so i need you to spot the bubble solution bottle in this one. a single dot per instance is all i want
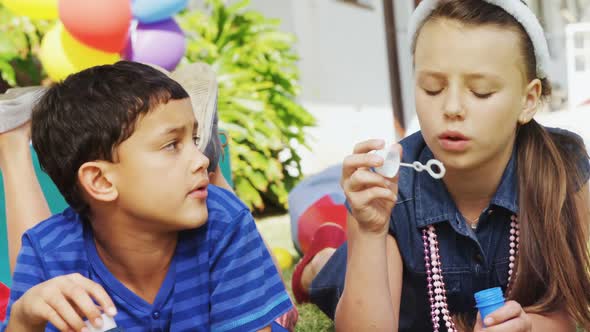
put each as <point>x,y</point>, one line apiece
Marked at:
<point>488,301</point>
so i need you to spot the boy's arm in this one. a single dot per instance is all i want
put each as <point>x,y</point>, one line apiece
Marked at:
<point>247,291</point>
<point>28,272</point>
<point>63,301</point>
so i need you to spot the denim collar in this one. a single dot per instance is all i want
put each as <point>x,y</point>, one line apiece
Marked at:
<point>434,203</point>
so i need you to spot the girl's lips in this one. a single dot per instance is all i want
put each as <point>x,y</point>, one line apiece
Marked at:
<point>453,145</point>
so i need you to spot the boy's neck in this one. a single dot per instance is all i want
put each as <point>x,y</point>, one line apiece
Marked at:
<point>139,260</point>
<point>472,190</point>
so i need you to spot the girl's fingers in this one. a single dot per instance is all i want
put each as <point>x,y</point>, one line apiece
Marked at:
<point>363,179</point>
<point>361,199</point>
<point>368,145</point>
<point>353,162</point>
<point>508,311</point>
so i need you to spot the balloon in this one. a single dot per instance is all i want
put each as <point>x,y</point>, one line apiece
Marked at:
<point>62,55</point>
<point>283,257</point>
<point>100,24</point>
<point>160,43</point>
<point>150,11</point>
<point>39,9</point>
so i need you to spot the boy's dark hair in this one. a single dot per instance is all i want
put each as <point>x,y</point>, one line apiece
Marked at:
<point>85,118</point>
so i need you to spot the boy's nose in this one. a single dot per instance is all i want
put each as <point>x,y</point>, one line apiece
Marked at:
<point>199,161</point>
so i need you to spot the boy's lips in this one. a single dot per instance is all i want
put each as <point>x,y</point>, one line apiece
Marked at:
<point>200,190</point>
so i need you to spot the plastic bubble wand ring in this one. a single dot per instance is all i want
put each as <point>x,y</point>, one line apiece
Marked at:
<point>392,163</point>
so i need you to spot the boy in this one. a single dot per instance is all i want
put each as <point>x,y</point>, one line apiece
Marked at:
<point>146,239</point>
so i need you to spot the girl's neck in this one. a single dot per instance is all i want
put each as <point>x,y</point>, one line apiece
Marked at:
<point>473,189</point>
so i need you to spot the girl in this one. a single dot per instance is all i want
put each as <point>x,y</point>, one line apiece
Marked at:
<point>512,210</point>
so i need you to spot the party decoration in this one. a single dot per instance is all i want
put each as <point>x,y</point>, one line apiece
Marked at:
<point>150,11</point>
<point>62,55</point>
<point>37,9</point>
<point>160,43</point>
<point>103,24</point>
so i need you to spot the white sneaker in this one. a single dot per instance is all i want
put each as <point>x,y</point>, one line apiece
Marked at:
<point>16,106</point>
<point>199,81</point>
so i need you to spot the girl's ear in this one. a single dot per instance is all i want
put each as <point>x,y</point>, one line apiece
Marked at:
<point>531,102</point>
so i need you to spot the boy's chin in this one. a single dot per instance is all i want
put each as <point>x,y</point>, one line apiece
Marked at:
<point>193,220</point>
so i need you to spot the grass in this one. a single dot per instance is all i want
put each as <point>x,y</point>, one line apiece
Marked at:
<point>310,317</point>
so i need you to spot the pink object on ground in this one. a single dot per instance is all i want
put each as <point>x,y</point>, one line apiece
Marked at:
<point>4,297</point>
<point>327,236</point>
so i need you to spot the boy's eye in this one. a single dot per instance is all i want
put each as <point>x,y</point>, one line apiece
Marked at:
<point>432,92</point>
<point>482,95</point>
<point>171,146</point>
<point>196,139</point>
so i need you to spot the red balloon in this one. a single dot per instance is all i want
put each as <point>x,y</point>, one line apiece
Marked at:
<point>102,24</point>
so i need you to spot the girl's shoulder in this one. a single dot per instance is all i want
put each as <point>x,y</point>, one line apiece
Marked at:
<point>574,151</point>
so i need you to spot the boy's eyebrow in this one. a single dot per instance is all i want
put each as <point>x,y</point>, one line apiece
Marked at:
<point>177,129</point>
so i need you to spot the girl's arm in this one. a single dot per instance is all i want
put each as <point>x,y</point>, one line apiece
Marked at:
<point>372,290</point>
<point>25,202</point>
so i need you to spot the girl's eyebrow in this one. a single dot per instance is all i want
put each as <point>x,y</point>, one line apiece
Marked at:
<point>468,76</point>
<point>475,76</point>
<point>433,73</point>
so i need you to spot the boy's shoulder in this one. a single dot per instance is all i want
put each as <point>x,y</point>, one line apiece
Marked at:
<point>60,230</point>
<point>223,205</point>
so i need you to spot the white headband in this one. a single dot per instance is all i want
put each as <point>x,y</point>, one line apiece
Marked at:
<point>517,9</point>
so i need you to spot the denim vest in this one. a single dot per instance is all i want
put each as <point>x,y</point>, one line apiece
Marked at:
<point>472,260</point>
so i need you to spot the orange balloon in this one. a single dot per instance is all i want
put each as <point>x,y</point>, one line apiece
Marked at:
<point>103,24</point>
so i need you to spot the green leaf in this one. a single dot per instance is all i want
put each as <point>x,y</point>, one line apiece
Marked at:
<point>258,80</point>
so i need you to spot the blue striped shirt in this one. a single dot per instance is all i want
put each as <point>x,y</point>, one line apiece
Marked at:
<point>221,277</point>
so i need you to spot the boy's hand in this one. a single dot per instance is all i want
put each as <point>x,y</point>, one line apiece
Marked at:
<point>370,195</point>
<point>510,317</point>
<point>64,301</point>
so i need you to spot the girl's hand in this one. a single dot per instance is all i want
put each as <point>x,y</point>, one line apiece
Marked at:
<point>510,317</point>
<point>370,195</point>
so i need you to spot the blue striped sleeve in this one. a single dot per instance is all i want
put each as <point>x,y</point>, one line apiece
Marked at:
<point>247,291</point>
<point>28,272</point>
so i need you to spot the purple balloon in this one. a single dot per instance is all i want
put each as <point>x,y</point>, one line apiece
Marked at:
<point>161,43</point>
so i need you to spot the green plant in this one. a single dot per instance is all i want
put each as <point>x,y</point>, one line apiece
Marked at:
<point>257,74</point>
<point>20,39</point>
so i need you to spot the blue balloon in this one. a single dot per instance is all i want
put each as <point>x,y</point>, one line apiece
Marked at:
<point>150,11</point>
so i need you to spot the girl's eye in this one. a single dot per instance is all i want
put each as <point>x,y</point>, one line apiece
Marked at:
<point>196,139</point>
<point>482,95</point>
<point>432,92</point>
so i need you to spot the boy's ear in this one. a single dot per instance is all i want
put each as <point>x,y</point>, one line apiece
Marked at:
<point>94,177</point>
<point>531,102</point>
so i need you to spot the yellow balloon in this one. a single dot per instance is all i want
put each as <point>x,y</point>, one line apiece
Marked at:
<point>283,257</point>
<point>62,55</point>
<point>41,9</point>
